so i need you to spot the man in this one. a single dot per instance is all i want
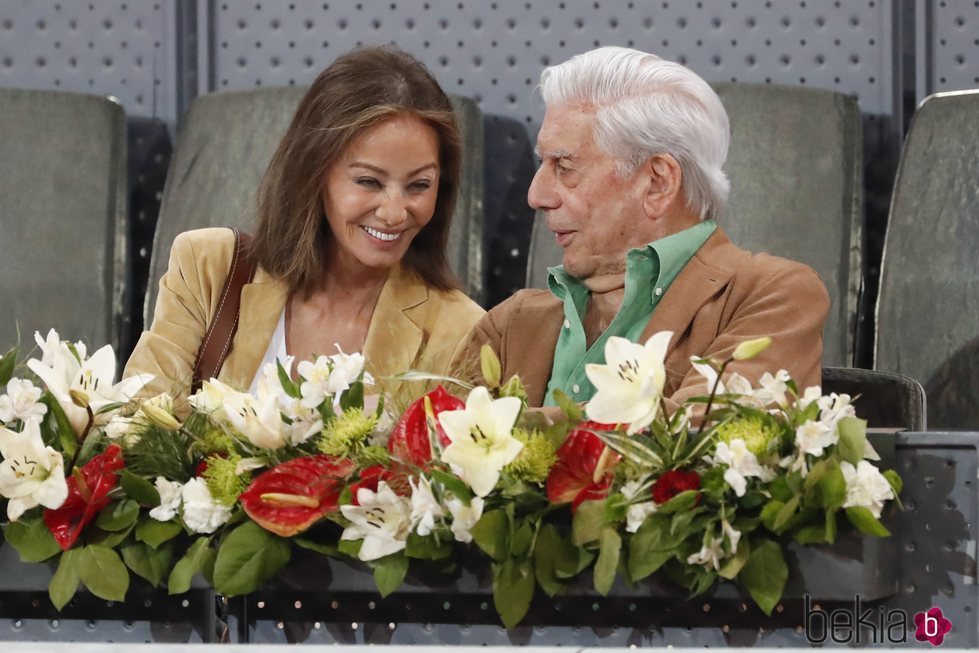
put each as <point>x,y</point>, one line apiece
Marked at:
<point>630,183</point>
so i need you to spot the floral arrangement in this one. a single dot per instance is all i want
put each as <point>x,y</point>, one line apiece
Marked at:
<point>109,487</point>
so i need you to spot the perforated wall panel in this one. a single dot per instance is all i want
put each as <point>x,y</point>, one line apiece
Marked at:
<point>123,49</point>
<point>948,38</point>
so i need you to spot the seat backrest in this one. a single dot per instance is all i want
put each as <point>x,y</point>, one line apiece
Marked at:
<point>63,224</point>
<point>884,399</point>
<point>928,305</point>
<point>225,143</point>
<point>796,171</point>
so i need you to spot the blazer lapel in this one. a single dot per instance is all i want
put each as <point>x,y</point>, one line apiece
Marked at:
<point>262,302</point>
<point>530,353</point>
<point>393,339</point>
<point>696,284</point>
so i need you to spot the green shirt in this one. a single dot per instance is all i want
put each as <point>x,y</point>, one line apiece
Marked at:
<point>649,271</point>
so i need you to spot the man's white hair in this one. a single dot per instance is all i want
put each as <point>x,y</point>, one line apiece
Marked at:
<point>645,105</point>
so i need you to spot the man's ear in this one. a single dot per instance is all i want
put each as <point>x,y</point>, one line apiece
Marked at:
<point>665,183</point>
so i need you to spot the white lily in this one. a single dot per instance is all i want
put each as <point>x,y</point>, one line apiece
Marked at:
<point>382,521</point>
<point>735,384</point>
<point>629,386</point>
<point>256,418</point>
<point>425,508</point>
<point>316,385</point>
<point>833,408</point>
<point>89,380</point>
<point>49,346</point>
<point>31,474</point>
<point>304,422</point>
<point>710,555</point>
<point>741,464</point>
<point>464,517</point>
<point>866,487</point>
<point>733,536</point>
<point>346,370</point>
<point>210,398</point>
<point>482,438</point>
<point>772,390</point>
<point>20,401</point>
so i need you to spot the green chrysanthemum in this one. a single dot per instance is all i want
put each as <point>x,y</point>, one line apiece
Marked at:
<point>346,432</point>
<point>761,436</point>
<point>222,480</point>
<point>373,455</point>
<point>535,459</point>
<point>213,439</point>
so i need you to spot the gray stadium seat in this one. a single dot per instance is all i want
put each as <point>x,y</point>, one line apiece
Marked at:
<point>796,171</point>
<point>63,224</point>
<point>884,399</point>
<point>928,306</point>
<point>225,143</point>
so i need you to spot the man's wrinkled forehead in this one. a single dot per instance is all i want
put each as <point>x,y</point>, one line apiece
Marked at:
<point>566,132</point>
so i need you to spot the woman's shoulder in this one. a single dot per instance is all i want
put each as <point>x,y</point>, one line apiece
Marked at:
<point>203,249</point>
<point>458,304</point>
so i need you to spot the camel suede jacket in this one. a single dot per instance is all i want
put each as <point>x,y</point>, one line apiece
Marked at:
<point>413,326</point>
<point>723,296</point>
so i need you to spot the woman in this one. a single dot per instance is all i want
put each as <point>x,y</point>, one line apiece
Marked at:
<point>353,221</point>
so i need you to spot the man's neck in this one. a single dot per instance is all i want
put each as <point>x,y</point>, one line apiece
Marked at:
<point>602,309</point>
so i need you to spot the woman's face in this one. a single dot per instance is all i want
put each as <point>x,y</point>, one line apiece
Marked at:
<point>382,192</point>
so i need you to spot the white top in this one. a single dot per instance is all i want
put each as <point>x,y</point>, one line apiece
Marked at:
<point>276,351</point>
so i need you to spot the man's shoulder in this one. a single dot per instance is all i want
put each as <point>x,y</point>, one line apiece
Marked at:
<point>528,299</point>
<point>757,267</point>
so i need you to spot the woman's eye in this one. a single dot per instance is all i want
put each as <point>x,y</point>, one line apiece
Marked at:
<point>368,182</point>
<point>420,186</point>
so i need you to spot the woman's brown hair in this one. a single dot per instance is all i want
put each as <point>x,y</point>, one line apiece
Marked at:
<point>360,89</point>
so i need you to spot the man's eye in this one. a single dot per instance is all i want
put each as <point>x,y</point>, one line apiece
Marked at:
<point>368,182</point>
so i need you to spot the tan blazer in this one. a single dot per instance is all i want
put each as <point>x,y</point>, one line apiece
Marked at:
<point>413,326</point>
<point>722,297</point>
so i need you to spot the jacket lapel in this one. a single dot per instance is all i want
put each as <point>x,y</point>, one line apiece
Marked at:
<point>262,302</point>
<point>531,352</point>
<point>393,338</point>
<point>701,279</point>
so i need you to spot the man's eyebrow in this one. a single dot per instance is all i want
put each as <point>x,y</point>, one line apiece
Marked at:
<point>557,154</point>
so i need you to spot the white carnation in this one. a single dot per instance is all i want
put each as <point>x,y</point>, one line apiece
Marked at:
<point>170,495</point>
<point>866,487</point>
<point>202,513</point>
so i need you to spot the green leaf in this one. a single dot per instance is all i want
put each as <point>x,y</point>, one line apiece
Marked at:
<point>249,556</point>
<point>853,436</point>
<point>733,566</point>
<point>830,526</point>
<point>453,484</point>
<point>108,539</point>
<point>65,581</point>
<point>390,572</point>
<point>779,487</point>
<point>139,489</point>
<point>32,539</point>
<point>832,488</point>
<point>815,474</point>
<point>183,572</point>
<point>609,549</point>
<point>588,522</point>
<point>650,547</point>
<point>63,429</point>
<point>103,572</point>
<point>290,387</point>
<point>513,589</point>
<point>573,560</point>
<point>683,501</point>
<point>318,547</point>
<point>770,513</point>
<point>786,513</point>
<point>897,483</point>
<point>491,534</point>
<point>547,551</point>
<point>428,547</point>
<point>350,547</point>
<point>148,562</point>
<point>812,534</point>
<point>523,537</point>
<point>764,575</point>
<point>7,364</point>
<point>154,533</point>
<point>865,522</point>
<point>118,516</point>
<point>568,405</point>
<point>353,397</point>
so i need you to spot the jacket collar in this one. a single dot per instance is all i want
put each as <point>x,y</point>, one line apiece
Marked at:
<point>704,276</point>
<point>393,338</point>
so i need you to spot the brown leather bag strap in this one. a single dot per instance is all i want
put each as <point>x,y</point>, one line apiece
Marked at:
<point>217,341</point>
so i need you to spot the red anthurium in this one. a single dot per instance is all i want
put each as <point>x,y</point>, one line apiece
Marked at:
<point>583,471</point>
<point>409,440</point>
<point>674,482</point>
<point>88,489</point>
<point>396,476</point>
<point>291,497</point>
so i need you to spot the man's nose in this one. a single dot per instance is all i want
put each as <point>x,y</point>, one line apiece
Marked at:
<point>541,194</point>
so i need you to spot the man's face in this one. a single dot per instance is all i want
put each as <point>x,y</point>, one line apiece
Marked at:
<point>595,214</point>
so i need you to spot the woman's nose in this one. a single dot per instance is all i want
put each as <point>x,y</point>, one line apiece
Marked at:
<point>393,209</point>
